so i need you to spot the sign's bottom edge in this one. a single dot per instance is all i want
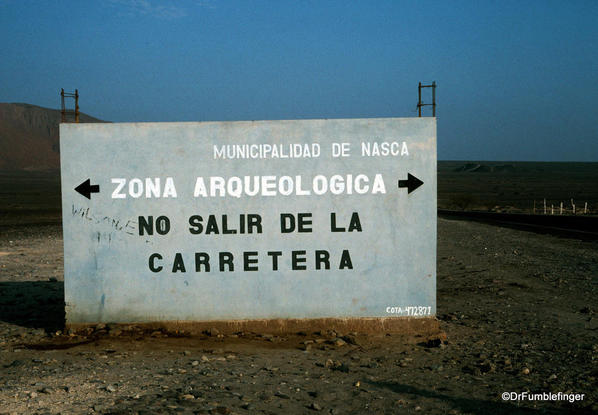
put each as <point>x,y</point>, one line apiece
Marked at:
<point>367,325</point>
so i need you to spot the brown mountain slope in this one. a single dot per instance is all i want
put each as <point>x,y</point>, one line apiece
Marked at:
<point>29,137</point>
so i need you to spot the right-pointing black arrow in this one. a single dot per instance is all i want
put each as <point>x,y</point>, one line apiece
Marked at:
<point>411,183</point>
<point>86,188</point>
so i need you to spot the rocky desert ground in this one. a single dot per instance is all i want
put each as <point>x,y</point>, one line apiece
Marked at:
<point>517,312</point>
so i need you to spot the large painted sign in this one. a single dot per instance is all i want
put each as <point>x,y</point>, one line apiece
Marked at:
<point>249,220</point>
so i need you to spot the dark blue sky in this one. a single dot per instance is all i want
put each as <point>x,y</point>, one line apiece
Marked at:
<point>517,80</point>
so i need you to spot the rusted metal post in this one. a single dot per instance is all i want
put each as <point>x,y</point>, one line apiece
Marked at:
<point>420,104</point>
<point>62,108</point>
<point>419,100</point>
<point>76,105</point>
<point>63,111</point>
<point>434,99</point>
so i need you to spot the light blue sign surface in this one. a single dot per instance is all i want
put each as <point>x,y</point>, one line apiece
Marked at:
<point>249,220</point>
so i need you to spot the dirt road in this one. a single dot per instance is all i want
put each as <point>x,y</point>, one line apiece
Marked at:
<point>518,309</point>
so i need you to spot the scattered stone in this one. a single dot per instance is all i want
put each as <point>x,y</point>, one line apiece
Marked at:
<point>586,310</point>
<point>213,332</point>
<point>314,406</point>
<point>357,384</point>
<point>449,317</point>
<point>282,395</point>
<point>33,395</point>
<point>187,397</point>
<point>350,338</point>
<point>204,358</point>
<point>195,363</point>
<point>487,367</point>
<point>525,371</point>
<point>265,396</point>
<point>111,388</point>
<point>338,342</point>
<point>336,365</point>
<point>371,364</point>
<point>474,370</point>
<point>437,340</point>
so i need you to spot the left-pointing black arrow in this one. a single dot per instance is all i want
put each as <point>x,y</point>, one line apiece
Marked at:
<point>86,188</point>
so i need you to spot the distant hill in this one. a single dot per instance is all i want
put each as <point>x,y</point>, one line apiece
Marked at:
<point>29,136</point>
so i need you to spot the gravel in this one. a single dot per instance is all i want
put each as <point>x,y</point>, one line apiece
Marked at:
<point>516,310</point>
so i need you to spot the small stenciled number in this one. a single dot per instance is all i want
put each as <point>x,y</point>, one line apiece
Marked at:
<point>418,311</point>
<point>410,310</point>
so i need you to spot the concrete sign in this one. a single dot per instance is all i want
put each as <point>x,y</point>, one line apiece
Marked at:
<point>249,220</point>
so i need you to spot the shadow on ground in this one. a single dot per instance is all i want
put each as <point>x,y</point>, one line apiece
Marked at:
<point>33,304</point>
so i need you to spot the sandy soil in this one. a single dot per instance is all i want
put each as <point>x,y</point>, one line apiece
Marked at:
<point>518,310</point>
